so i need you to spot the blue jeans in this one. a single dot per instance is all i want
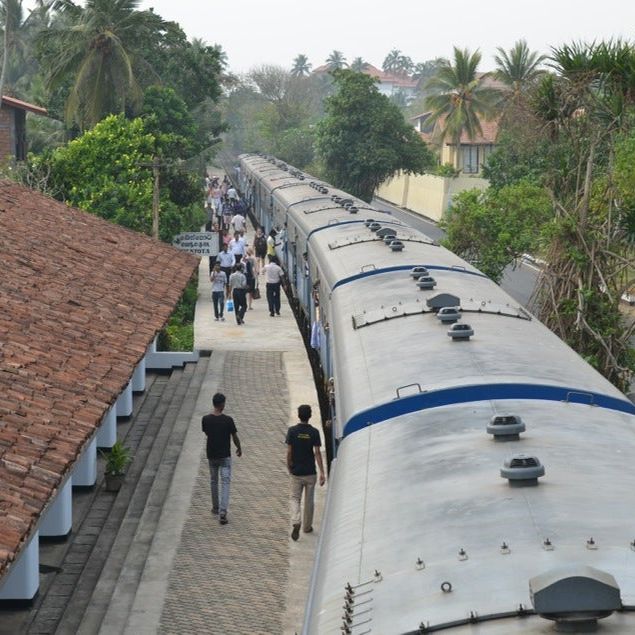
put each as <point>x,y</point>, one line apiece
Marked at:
<point>225,467</point>
<point>218,299</point>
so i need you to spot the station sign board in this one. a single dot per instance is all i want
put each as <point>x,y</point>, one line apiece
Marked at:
<point>199,243</point>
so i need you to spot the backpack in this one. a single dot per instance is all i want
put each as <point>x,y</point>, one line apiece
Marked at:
<point>260,243</point>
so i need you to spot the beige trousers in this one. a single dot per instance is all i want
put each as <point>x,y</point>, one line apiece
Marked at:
<point>299,483</point>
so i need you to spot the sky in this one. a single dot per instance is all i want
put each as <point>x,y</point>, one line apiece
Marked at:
<point>254,32</point>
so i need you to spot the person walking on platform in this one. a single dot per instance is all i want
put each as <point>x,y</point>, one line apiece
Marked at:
<point>238,286</point>
<point>273,280</point>
<point>239,223</point>
<point>271,243</point>
<point>219,282</point>
<point>303,450</point>
<point>219,428</point>
<point>260,246</point>
<point>237,246</point>
<point>226,261</point>
<point>251,273</point>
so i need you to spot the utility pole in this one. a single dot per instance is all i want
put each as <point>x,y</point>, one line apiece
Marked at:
<point>156,166</point>
<point>155,197</point>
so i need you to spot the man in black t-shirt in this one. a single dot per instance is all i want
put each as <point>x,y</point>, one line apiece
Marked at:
<point>219,428</point>
<point>303,450</point>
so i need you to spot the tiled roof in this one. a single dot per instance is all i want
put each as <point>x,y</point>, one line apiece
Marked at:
<point>23,105</point>
<point>390,78</point>
<point>402,81</point>
<point>489,131</point>
<point>80,301</point>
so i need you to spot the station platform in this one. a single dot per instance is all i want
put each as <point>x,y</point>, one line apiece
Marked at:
<point>152,558</point>
<point>247,576</point>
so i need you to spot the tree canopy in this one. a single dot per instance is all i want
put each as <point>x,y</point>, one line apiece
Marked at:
<point>459,97</point>
<point>364,139</point>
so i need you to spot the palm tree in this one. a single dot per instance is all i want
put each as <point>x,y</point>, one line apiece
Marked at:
<point>98,48</point>
<point>301,66</point>
<point>391,61</point>
<point>19,65</point>
<point>358,65</point>
<point>336,60</point>
<point>459,97</point>
<point>518,68</point>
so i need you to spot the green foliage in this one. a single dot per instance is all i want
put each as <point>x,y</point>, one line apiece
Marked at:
<point>624,176</point>
<point>101,172</point>
<point>491,229</point>
<point>117,459</point>
<point>178,335</point>
<point>272,111</point>
<point>97,46</point>
<point>167,118</point>
<point>363,139</point>
<point>446,169</point>
<point>459,96</point>
<point>516,159</point>
<point>105,171</point>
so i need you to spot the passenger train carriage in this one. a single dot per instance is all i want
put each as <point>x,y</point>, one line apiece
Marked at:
<point>484,479</point>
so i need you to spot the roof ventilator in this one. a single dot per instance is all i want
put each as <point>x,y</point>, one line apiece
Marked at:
<point>417,272</point>
<point>460,332</point>
<point>396,245</point>
<point>522,470</point>
<point>505,427</point>
<point>449,314</point>
<point>575,597</point>
<point>426,282</point>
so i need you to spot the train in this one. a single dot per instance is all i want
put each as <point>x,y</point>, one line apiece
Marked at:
<point>483,476</point>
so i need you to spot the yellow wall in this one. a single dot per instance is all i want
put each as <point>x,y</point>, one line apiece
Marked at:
<point>425,193</point>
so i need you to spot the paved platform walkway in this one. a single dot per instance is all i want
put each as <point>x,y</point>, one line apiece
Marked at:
<point>247,576</point>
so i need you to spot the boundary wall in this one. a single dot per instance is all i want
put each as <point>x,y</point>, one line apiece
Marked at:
<point>427,194</point>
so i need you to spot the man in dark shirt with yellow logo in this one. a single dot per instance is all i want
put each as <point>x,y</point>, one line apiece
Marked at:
<point>303,449</point>
<point>219,428</point>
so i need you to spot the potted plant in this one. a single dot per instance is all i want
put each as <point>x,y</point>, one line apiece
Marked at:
<point>117,461</point>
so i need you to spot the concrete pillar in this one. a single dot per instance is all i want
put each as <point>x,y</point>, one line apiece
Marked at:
<point>107,433</point>
<point>124,401</point>
<point>58,518</point>
<point>23,579</point>
<point>139,377</point>
<point>85,470</point>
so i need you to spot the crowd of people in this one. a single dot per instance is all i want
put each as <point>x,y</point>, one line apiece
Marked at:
<point>235,275</point>
<point>235,272</point>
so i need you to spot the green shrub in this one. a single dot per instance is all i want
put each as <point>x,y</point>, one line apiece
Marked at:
<point>178,335</point>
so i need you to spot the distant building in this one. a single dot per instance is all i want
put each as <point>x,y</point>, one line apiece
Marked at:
<point>471,154</point>
<point>388,84</point>
<point>13,127</point>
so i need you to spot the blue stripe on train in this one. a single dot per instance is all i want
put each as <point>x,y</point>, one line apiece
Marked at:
<point>482,392</point>
<point>374,272</point>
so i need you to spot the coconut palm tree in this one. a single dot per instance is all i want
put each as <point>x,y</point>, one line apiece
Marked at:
<point>336,60</point>
<point>301,66</point>
<point>19,65</point>
<point>391,61</point>
<point>459,98</point>
<point>518,68</point>
<point>398,63</point>
<point>358,64</point>
<point>98,47</point>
